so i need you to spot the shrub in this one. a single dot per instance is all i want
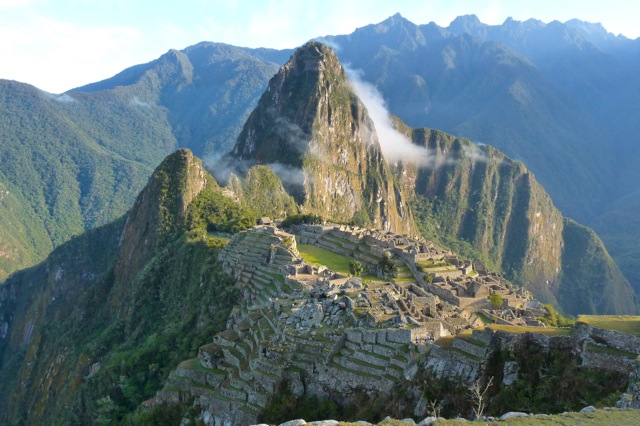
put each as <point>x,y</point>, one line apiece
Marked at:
<point>495,299</point>
<point>356,268</point>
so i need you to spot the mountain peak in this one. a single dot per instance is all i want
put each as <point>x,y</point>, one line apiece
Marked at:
<point>314,56</point>
<point>467,20</point>
<point>396,19</point>
<point>289,106</point>
<point>159,209</point>
<point>468,24</point>
<point>317,136</point>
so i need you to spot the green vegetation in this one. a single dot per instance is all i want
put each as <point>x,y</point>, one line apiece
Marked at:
<point>550,381</point>
<point>362,219</point>
<point>285,406</point>
<point>174,303</point>
<point>308,219</point>
<point>495,299</point>
<point>321,256</point>
<point>263,192</point>
<point>485,319</point>
<point>356,268</point>
<point>624,323</point>
<point>76,161</point>
<point>539,330</point>
<point>593,282</point>
<point>386,264</point>
<point>63,172</point>
<point>612,351</point>
<point>215,212</point>
<point>553,318</point>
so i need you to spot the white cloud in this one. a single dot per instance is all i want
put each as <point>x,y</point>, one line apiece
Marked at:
<point>395,146</point>
<point>63,99</point>
<point>57,55</point>
<point>136,102</point>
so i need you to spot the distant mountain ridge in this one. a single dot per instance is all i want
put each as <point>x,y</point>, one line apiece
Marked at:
<point>74,161</point>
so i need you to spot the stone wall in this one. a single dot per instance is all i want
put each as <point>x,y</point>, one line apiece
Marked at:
<point>615,339</point>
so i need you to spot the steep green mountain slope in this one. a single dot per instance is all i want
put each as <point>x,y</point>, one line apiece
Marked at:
<point>75,161</point>
<point>315,133</point>
<point>62,174</point>
<point>479,202</point>
<point>561,97</point>
<point>93,331</point>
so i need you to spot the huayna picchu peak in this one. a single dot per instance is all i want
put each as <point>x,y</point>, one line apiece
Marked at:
<point>314,132</point>
<point>312,277</point>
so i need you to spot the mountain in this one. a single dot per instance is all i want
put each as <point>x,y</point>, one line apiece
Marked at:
<point>560,97</point>
<point>99,333</point>
<point>77,328</point>
<point>98,327</point>
<point>75,161</point>
<point>315,133</point>
<point>62,172</point>
<point>481,203</point>
<point>310,127</point>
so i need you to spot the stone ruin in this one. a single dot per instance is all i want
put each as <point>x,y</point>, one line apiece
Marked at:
<point>323,331</point>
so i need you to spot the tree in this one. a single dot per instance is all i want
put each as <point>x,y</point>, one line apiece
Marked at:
<point>495,299</point>
<point>386,264</point>
<point>477,394</point>
<point>356,268</point>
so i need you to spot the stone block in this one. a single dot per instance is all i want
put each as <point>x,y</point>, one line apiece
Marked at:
<point>399,336</point>
<point>354,336</point>
<point>369,336</point>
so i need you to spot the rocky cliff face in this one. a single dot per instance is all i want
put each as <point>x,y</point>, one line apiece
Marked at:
<point>317,136</point>
<point>475,196</point>
<point>314,132</point>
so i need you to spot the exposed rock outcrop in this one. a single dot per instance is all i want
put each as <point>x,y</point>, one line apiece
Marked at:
<point>317,136</point>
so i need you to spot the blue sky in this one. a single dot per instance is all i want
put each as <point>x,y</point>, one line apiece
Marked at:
<point>60,44</point>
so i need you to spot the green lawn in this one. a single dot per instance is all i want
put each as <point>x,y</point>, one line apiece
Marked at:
<point>321,256</point>
<point>315,255</point>
<point>485,319</point>
<point>624,323</point>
